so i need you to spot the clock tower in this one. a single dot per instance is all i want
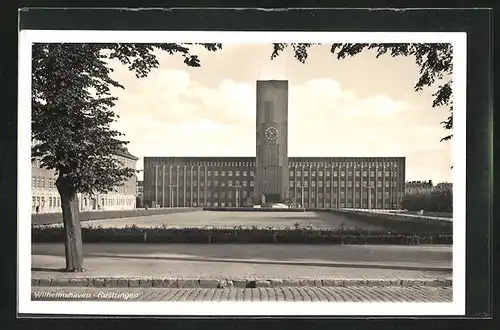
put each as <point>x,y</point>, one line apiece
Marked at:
<point>271,177</point>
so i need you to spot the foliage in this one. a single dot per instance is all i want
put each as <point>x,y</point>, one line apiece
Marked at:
<point>435,62</point>
<point>164,234</point>
<point>430,200</point>
<point>72,109</point>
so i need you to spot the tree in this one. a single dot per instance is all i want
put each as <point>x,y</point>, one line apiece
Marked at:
<point>435,62</point>
<point>72,109</point>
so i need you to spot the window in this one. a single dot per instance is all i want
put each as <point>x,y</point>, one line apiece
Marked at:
<point>335,173</point>
<point>33,201</point>
<point>335,183</point>
<point>244,173</point>
<point>357,173</point>
<point>349,184</point>
<point>230,183</point>
<point>216,173</point>
<point>223,194</point>
<point>306,173</point>
<point>342,173</point>
<point>229,173</point>
<point>290,174</point>
<point>237,173</point>
<point>298,173</point>
<point>379,184</point>
<point>305,184</point>
<point>365,173</point>
<point>387,184</point>
<point>328,173</point>
<point>313,173</point>
<point>251,173</point>
<point>328,183</point>
<point>229,194</point>
<point>244,183</point>
<point>342,184</point>
<point>349,173</point>
<point>320,184</point>
<point>372,173</point>
<point>222,184</point>
<point>251,183</point>
<point>209,173</point>
<point>291,183</point>
<point>313,184</point>
<point>321,173</point>
<point>379,173</point>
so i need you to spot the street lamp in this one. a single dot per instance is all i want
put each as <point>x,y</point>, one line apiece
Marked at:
<point>237,186</point>
<point>172,186</point>
<point>301,194</point>
<point>369,195</point>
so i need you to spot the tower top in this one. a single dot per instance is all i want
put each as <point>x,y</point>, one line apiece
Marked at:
<point>272,81</point>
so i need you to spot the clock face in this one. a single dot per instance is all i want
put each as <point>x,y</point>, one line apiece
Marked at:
<point>271,133</point>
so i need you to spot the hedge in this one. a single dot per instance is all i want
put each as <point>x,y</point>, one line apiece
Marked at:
<point>53,218</point>
<point>400,224</point>
<point>238,235</point>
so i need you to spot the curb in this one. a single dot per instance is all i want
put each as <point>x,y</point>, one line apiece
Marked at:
<point>162,282</point>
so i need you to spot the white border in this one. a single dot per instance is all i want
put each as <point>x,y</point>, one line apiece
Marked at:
<point>25,305</point>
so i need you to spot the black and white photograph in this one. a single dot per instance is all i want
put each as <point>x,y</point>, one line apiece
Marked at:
<point>230,173</point>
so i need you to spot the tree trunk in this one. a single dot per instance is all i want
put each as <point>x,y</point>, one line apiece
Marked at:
<point>72,226</point>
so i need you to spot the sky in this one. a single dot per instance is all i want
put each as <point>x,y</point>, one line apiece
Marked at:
<point>358,106</point>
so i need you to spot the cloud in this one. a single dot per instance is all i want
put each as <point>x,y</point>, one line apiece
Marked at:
<point>171,113</point>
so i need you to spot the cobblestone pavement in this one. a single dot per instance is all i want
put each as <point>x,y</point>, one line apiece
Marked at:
<point>299,294</point>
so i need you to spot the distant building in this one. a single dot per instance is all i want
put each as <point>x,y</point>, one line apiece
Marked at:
<point>46,198</point>
<point>412,186</point>
<point>273,176</point>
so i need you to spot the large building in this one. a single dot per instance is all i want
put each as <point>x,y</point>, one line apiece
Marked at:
<point>46,198</point>
<point>273,176</point>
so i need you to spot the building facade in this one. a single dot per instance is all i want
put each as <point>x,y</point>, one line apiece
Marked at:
<point>316,182</point>
<point>273,176</point>
<point>46,198</point>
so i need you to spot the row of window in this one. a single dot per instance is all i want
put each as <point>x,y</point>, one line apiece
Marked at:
<point>209,194</point>
<point>210,183</point>
<point>342,195</point>
<point>40,201</point>
<point>357,184</point>
<point>342,173</point>
<point>209,173</point>
<point>393,164</point>
<point>42,182</point>
<point>158,162</point>
<point>292,162</point>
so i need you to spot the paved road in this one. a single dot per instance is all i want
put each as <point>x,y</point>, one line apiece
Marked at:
<point>250,260</point>
<point>301,294</point>
<point>233,219</point>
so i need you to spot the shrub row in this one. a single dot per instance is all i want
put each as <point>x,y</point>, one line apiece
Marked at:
<point>431,200</point>
<point>400,224</point>
<point>237,235</point>
<point>52,218</point>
